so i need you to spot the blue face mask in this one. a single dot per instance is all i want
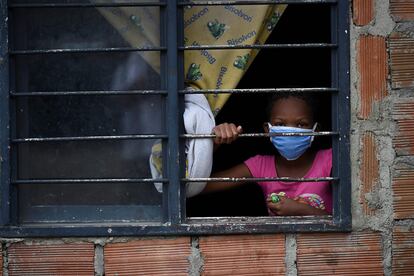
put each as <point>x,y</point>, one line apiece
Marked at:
<point>291,147</point>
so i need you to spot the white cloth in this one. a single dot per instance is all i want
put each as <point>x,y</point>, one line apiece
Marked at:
<point>198,119</point>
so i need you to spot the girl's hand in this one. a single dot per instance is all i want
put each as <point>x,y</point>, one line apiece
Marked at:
<point>285,207</point>
<point>290,207</point>
<point>226,133</point>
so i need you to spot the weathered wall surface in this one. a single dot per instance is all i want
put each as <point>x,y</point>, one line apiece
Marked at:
<point>382,154</point>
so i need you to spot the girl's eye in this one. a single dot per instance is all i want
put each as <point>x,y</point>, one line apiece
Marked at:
<point>302,125</point>
<point>279,124</point>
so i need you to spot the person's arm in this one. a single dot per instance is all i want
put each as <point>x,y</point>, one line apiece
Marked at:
<point>238,171</point>
<point>290,207</point>
<point>227,133</point>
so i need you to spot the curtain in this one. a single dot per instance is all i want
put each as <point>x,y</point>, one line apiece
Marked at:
<point>204,69</point>
<point>203,25</point>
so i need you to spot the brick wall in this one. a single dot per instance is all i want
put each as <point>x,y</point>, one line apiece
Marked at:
<point>382,154</point>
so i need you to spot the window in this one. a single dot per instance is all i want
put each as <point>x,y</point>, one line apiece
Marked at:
<point>80,125</point>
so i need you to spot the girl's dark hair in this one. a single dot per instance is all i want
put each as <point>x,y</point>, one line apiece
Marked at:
<point>310,99</point>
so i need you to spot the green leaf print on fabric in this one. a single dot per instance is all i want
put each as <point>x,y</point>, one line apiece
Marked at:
<point>194,73</point>
<point>216,28</point>
<point>241,61</point>
<point>271,23</point>
<point>137,22</point>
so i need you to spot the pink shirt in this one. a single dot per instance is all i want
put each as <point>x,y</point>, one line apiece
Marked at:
<point>317,194</point>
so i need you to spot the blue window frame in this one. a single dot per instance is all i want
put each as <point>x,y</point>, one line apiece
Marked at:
<point>168,214</point>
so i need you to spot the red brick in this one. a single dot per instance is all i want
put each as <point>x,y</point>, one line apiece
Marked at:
<point>148,257</point>
<point>402,10</point>
<point>403,190</point>
<point>53,259</point>
<point>403,114</point>
<point>403,251</point>
<point>401,61</point>
<point>372,62</point>
<point>243,255</point>
<point>355,253</point>
<point>369,170</point>
<point>363,12</point>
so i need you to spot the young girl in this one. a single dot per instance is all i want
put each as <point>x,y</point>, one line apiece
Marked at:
<point>296,159</point>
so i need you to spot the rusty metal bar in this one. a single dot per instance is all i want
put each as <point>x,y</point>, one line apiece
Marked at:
<point>88,138</point>
<point>260,179</point>
<point>163,136</point>
<point>260,90</point>
<point>255,135</point>
<point>256,46</point>
<point>87,181</point>
<point>254,2</point>
<point>85,5</point>
<point>152,180</point>
<point>86,50</point>
<point>88,93</point>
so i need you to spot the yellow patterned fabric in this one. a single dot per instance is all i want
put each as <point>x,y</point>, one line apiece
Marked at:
<point>224,25</point>
<point>203,25</point>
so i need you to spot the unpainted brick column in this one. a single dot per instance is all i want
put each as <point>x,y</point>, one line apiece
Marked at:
<point>369,173</point>
<point>363,12</point>
<point>372,66</point>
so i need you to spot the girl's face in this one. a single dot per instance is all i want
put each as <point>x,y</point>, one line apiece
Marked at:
<point>291,112</point>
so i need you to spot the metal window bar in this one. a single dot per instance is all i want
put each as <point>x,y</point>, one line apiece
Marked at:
<point>4,118</point>
<point>163,136</point>
<point>259,46</point>
<point>165,180</point>
<point>160,49</point>
<point>87,93</point>
<point>164,92</point>
<point>161,4</point>
<point>87,181</point>
<point>85,50</point>
<point>258,179</point>
<point>85,5</point>
<point>253,2</point>
<point>260,90</point>
<point>341,115</point>
<point>88,138</point>
<point>173,78</point>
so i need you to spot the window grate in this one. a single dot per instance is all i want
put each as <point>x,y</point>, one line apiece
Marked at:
<point>175,220</point>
